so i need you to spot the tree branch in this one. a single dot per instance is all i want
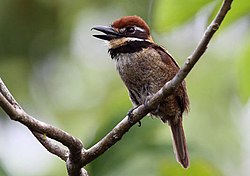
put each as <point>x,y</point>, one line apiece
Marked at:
<point>42,130</point>
<point>76,156</point>
<point>15,112</point>
<point>51,146</point>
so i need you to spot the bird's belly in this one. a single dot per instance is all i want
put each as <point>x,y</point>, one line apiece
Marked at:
<point>139,76</point>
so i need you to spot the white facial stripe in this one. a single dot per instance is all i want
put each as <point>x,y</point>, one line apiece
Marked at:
<point>134,39</point>
<point>139,29</point>
<point>130,39</point>
<point>119,42</point>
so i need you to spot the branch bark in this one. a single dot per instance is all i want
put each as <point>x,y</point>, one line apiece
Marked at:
<point>75,155</point>
<point>51,146</point>
<point>42,131</point>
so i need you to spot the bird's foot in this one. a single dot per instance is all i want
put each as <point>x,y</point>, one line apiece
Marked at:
<point>131,116</point>
<point>130,112</point>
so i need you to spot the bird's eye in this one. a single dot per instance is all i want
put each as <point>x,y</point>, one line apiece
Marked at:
<point>130,30</point>
<point>127,30</point>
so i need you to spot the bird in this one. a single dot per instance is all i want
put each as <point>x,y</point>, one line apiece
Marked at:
<point>145,67</point>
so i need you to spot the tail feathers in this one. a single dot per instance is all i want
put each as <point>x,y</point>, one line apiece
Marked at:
<point>179,143</point>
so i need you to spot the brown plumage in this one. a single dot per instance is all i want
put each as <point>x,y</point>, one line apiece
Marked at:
<point>144,68</point>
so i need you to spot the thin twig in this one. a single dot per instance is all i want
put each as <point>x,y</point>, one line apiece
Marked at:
<point>51,146</point>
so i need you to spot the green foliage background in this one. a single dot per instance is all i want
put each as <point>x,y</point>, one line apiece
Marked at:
<point>60,74</point>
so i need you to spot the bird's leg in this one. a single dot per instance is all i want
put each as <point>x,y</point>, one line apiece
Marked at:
<point>130,112</point>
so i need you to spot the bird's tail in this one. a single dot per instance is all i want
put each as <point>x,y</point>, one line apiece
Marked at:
<point>179,143</point>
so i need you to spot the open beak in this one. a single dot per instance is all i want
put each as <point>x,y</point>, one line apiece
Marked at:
<point>109,33</point>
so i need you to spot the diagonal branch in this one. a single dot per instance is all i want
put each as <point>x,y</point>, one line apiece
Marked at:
<point>120,129</point>
<point>15,112</point>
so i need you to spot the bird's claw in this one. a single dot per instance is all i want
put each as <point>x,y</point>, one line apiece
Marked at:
<point>130,112</point>
<point>131,115</point>
<point>139,123</point>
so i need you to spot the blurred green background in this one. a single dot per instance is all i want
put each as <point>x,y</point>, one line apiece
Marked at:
<point>63,76</point>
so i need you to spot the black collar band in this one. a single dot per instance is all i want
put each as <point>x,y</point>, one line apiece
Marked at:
<point>130,47</point>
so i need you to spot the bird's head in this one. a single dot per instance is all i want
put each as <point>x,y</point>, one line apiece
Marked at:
<point>123,30</point>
